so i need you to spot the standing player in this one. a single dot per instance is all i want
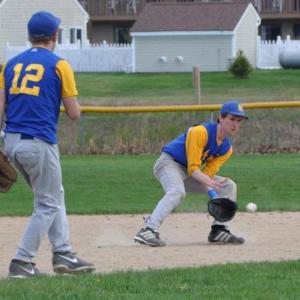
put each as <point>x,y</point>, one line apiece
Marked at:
<point>32,86</point>
<point>190,163</point>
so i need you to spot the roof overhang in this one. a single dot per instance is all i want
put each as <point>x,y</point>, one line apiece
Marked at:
<point>250,7</point>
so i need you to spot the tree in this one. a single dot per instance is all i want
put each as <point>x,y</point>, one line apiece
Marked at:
<point>240,67</point>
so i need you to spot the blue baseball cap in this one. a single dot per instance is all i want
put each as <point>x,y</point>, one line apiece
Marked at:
<point>234,108</point>
<point>42,24</point>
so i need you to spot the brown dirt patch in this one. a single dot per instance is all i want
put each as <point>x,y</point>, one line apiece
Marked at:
<point>107,241</point>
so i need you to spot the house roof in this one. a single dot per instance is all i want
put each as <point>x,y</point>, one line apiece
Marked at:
<point>210,16</point>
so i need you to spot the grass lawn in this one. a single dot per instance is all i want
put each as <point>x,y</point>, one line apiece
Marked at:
<point>268,281</point>
<point>125,184</point>
<point>177,88</point>
<point>112,184</point>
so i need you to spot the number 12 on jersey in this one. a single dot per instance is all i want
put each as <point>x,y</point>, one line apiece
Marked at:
<point>27,77</point>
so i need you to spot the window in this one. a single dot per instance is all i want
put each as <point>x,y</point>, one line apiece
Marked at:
<point>60,36</point>
<point>270,32</point>
<point>75,35</point>
<point>121,35</point>
<point>297,31</point>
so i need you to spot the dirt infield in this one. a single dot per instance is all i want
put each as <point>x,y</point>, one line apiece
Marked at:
<point>107,241</point>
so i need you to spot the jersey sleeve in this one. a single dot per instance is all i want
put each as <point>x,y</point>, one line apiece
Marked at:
<point>66,75</point>
<point>2,80</point>
<point>212,167</point>
<point>196,140</point>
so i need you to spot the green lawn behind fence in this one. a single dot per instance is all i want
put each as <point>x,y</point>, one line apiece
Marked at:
<point>177,88</point>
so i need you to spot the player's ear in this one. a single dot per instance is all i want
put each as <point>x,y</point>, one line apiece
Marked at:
<point>54,37</point>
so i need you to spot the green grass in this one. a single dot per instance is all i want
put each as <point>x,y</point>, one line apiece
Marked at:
<point>268,281</point>
<point>125,184</point>
<point>177,88</point>
<point>118,85</point>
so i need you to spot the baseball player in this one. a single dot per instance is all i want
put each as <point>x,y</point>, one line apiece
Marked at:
<point>32,86</point>
<point>189,164</point>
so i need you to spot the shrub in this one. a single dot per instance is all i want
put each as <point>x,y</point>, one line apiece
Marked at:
<point>240,67</point>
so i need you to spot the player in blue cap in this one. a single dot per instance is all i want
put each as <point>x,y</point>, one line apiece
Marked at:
<point>33,85</point>
<point>189,164</point>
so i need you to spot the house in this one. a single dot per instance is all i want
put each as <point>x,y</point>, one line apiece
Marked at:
<point>14,15</point>
<point>111,20</point>
<point>174,37</point>
<point>279,18</point>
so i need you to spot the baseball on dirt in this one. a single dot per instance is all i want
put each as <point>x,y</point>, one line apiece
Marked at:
<point>251,207</point>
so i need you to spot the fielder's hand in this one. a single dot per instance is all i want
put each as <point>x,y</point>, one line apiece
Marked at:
<point>222,209</point>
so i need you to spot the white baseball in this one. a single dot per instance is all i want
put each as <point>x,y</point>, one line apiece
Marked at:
<point>251,207</point>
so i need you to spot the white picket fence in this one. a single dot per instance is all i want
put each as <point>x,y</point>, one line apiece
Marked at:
<point>90,58</point>
<point>119,57</point>
<point>268,52</point>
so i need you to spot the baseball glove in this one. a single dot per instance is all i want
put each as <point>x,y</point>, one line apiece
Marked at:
<point>222,209</point>
<point>8,175</point>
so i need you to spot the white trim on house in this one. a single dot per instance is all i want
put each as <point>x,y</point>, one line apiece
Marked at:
<point>233,46</point>
<point>181,33</point>
<point>250,6</point>
<point>82,9</point>
<point>73,35</point>
<point>2,3</point>
<point>133,54</point>
<point>87,17</point>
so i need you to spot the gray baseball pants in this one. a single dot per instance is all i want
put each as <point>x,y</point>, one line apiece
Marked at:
<point>39,164</point>
<point>176,183</point>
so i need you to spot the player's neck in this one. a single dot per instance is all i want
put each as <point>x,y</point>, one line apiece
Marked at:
<point>50,46</point>
<point>220,133</point>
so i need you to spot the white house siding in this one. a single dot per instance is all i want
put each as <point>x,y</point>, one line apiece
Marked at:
<point>14,15</point>
<point>210,53</point>
<point>246,35</point>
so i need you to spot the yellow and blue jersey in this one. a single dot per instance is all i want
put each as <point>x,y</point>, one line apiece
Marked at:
<point>35,81</point>
<point>198,148</point>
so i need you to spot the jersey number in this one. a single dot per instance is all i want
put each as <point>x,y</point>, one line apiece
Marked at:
<point>23,88</point>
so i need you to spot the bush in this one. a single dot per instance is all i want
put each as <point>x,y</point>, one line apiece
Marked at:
<point>240,67</point>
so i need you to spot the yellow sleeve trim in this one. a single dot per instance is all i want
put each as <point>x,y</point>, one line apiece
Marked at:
<point>212,167</point>
<point>196,140</point>
<point>66,75</point>
<point>2,79</point>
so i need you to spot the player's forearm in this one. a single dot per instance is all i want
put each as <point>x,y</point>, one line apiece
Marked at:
<point>72,107</point>
<point>2,107</point>
<point>204,179</point>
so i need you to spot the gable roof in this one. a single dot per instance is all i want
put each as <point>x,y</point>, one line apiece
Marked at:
<point>210,16</point>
